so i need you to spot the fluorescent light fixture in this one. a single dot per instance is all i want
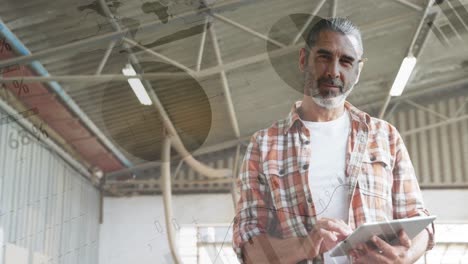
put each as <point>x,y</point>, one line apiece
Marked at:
<point>403,76</point>
<point>137,86</point>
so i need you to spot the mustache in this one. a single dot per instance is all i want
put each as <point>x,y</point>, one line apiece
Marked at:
<point>331,81</point>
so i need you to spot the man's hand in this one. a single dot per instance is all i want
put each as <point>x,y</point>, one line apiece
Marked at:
<point>326,233</point>
<point>383,252</point>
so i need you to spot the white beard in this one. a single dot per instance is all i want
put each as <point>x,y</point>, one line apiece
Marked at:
<point>330,103</point>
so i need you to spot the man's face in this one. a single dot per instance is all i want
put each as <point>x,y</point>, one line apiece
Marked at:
<point>332,68</point>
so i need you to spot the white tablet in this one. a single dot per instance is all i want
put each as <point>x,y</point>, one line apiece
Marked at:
<point>388,231</point>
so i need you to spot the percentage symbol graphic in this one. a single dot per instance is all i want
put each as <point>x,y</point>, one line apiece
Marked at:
<point>25,140</point>
<point>13,143</point>
<point>4,45</point>
<point>21,87</point>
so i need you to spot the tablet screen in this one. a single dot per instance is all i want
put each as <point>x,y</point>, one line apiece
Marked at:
<point>388,231</point>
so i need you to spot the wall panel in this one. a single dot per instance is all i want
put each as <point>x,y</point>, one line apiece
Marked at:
<point>46,207</point>
<point>439,153</point>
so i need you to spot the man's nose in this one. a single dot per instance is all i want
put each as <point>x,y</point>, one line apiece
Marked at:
<point>333,69</point>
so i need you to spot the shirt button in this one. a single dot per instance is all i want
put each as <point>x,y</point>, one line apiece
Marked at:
<point>281,172</point>
<point>305,167</point>
<point>307,142</point>
<point>260,180</point>
<point>309,200</point>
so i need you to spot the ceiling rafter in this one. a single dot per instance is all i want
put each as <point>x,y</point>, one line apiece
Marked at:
<point>119,34</point>
<point>425,109</point>
<point>106,57</point>
<point>159,56</point>
<point>202,45</point>
<point>410,51</point>
<point>431,126</point>
<point>410,4</point>
<point>333,8</point>
<point>462,107</point>
<point>225,84</point>
<point>247,29</point>
<point>307,23</point>
<point>419,90</point>
<point>171,135</point>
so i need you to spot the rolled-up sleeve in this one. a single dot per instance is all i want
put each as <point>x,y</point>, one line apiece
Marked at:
<point>252,208</point>
<point>406,194</point>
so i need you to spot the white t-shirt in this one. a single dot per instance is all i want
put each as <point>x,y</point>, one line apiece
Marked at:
<point>327,180</point>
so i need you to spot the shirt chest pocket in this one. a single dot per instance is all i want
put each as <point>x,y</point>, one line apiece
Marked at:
<point>284,179</point>
<point>376,175</point>
<point>288,196</point>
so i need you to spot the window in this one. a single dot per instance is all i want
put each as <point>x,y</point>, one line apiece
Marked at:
<point>206,244</point>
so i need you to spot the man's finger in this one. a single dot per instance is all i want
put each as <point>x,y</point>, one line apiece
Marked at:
<point>384,247</point>
<point>380,258</point>
<point>342,224</point>
<point>359,255</point>
<point>376,257</point>
<point>404,239</point>
<point>336,227</point>
<point>371,255</point>
<point>341,221</point>
<point>353,253</point>
<point>327,235</point>
<point>360,250</point>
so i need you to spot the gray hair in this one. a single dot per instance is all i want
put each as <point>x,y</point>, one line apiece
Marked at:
<point>335,24</point>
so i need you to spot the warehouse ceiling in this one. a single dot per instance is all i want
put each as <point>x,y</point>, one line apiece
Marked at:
<point>221,69</point>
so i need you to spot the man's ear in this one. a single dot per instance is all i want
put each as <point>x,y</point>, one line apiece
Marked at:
<point>360,65</point>
<point>302,59</point>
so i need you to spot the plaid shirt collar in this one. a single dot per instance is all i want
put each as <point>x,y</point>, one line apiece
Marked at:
<point>355,113</point>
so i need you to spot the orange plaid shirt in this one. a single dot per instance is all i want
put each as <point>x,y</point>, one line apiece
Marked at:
<point>274,192</point>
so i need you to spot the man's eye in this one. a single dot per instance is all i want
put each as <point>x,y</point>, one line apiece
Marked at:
<point>323,56</point>
<point>347,62</point>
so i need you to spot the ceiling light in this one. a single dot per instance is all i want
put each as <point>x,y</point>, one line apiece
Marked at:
<point>137,86</point>
<point>403,76</point>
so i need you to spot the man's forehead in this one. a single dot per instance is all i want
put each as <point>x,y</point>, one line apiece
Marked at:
<point>338,42</point>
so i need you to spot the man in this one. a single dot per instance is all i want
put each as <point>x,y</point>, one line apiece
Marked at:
<point>310,179</point>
